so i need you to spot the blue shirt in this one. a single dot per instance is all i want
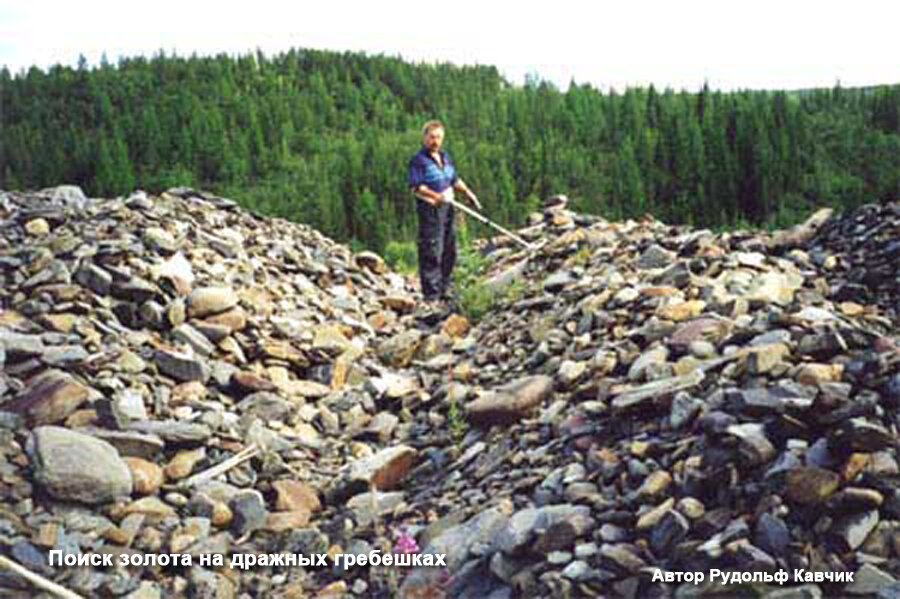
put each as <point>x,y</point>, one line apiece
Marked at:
<point>424,169</point>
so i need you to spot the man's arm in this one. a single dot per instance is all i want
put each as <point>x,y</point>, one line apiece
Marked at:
<point>426,193</point>
<point>417,183</point>
<point>460,186</point>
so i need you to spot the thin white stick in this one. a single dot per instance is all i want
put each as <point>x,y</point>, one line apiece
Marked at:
<point>210,473</point>
<point>38,580</point>
<point>487,221</point>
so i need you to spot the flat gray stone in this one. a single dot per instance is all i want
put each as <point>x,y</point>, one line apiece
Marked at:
<point>181,366</point>
<point>173,430</point>
<point>74,466</point>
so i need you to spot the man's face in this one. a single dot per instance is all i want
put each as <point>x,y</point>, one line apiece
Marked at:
<point>434,139</point>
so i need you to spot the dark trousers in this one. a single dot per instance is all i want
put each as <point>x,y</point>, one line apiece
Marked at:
<point>437,247</point>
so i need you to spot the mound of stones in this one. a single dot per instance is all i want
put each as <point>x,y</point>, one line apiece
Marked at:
<point>182,376</point>
<point>861,251</point>
<point>649,399</point>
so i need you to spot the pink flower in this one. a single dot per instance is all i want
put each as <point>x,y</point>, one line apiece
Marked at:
<point>405,543</point>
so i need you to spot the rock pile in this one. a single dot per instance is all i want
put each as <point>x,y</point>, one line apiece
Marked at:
<point>183,376</point>
<point>862,249</point>
<point>706,396</point>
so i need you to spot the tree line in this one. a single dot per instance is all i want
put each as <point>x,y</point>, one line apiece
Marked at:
<point>324,138</point>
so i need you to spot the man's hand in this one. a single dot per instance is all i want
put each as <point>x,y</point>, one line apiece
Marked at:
<point>473,199</point>
<point>432,197</point>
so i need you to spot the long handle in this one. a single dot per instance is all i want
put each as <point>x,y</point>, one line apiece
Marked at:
<point>487,221</point>
<point>38,580</point>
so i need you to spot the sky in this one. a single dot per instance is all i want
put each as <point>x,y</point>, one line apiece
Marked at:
<point>764,44</point>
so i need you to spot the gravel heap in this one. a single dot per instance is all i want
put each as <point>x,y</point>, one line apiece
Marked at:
<point>183,376</point>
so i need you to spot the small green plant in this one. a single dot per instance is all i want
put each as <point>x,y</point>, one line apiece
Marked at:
<point>456,422</point>
<point>470,264</point>
<point>474,297</point>
<point>582,256</point>
<point>514,291</point>
<point>475,300</point>
<point>401,256</point>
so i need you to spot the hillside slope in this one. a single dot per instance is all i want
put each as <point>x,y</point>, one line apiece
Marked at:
<point>325,137</point>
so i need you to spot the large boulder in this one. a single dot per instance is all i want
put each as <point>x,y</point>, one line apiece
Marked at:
<point>73,466</point>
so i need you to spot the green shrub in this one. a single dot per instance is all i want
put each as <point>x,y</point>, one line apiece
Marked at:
<point>474,297</point>
<point>475,300</point>
<point>401,256</point>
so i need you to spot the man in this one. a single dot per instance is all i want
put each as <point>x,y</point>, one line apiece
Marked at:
<point>433,179</point>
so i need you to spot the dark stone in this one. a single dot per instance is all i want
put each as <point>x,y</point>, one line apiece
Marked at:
<point>822,346</point>
<point>713,521</point>
<point>860,435</point>
<point>759,402</point>
<point>134,289</point>
<point>306,541</point>
<point>852,292</point>
<point>715,423</point>
<point>750,558</point>
<point>772,534</point>
<point>182,367</point>
<point>891,392</point>
<point>94,277</point>
<point>249,509</point>
<point>668,532</point>
<point>522,528</point>
<point>31,558</point>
